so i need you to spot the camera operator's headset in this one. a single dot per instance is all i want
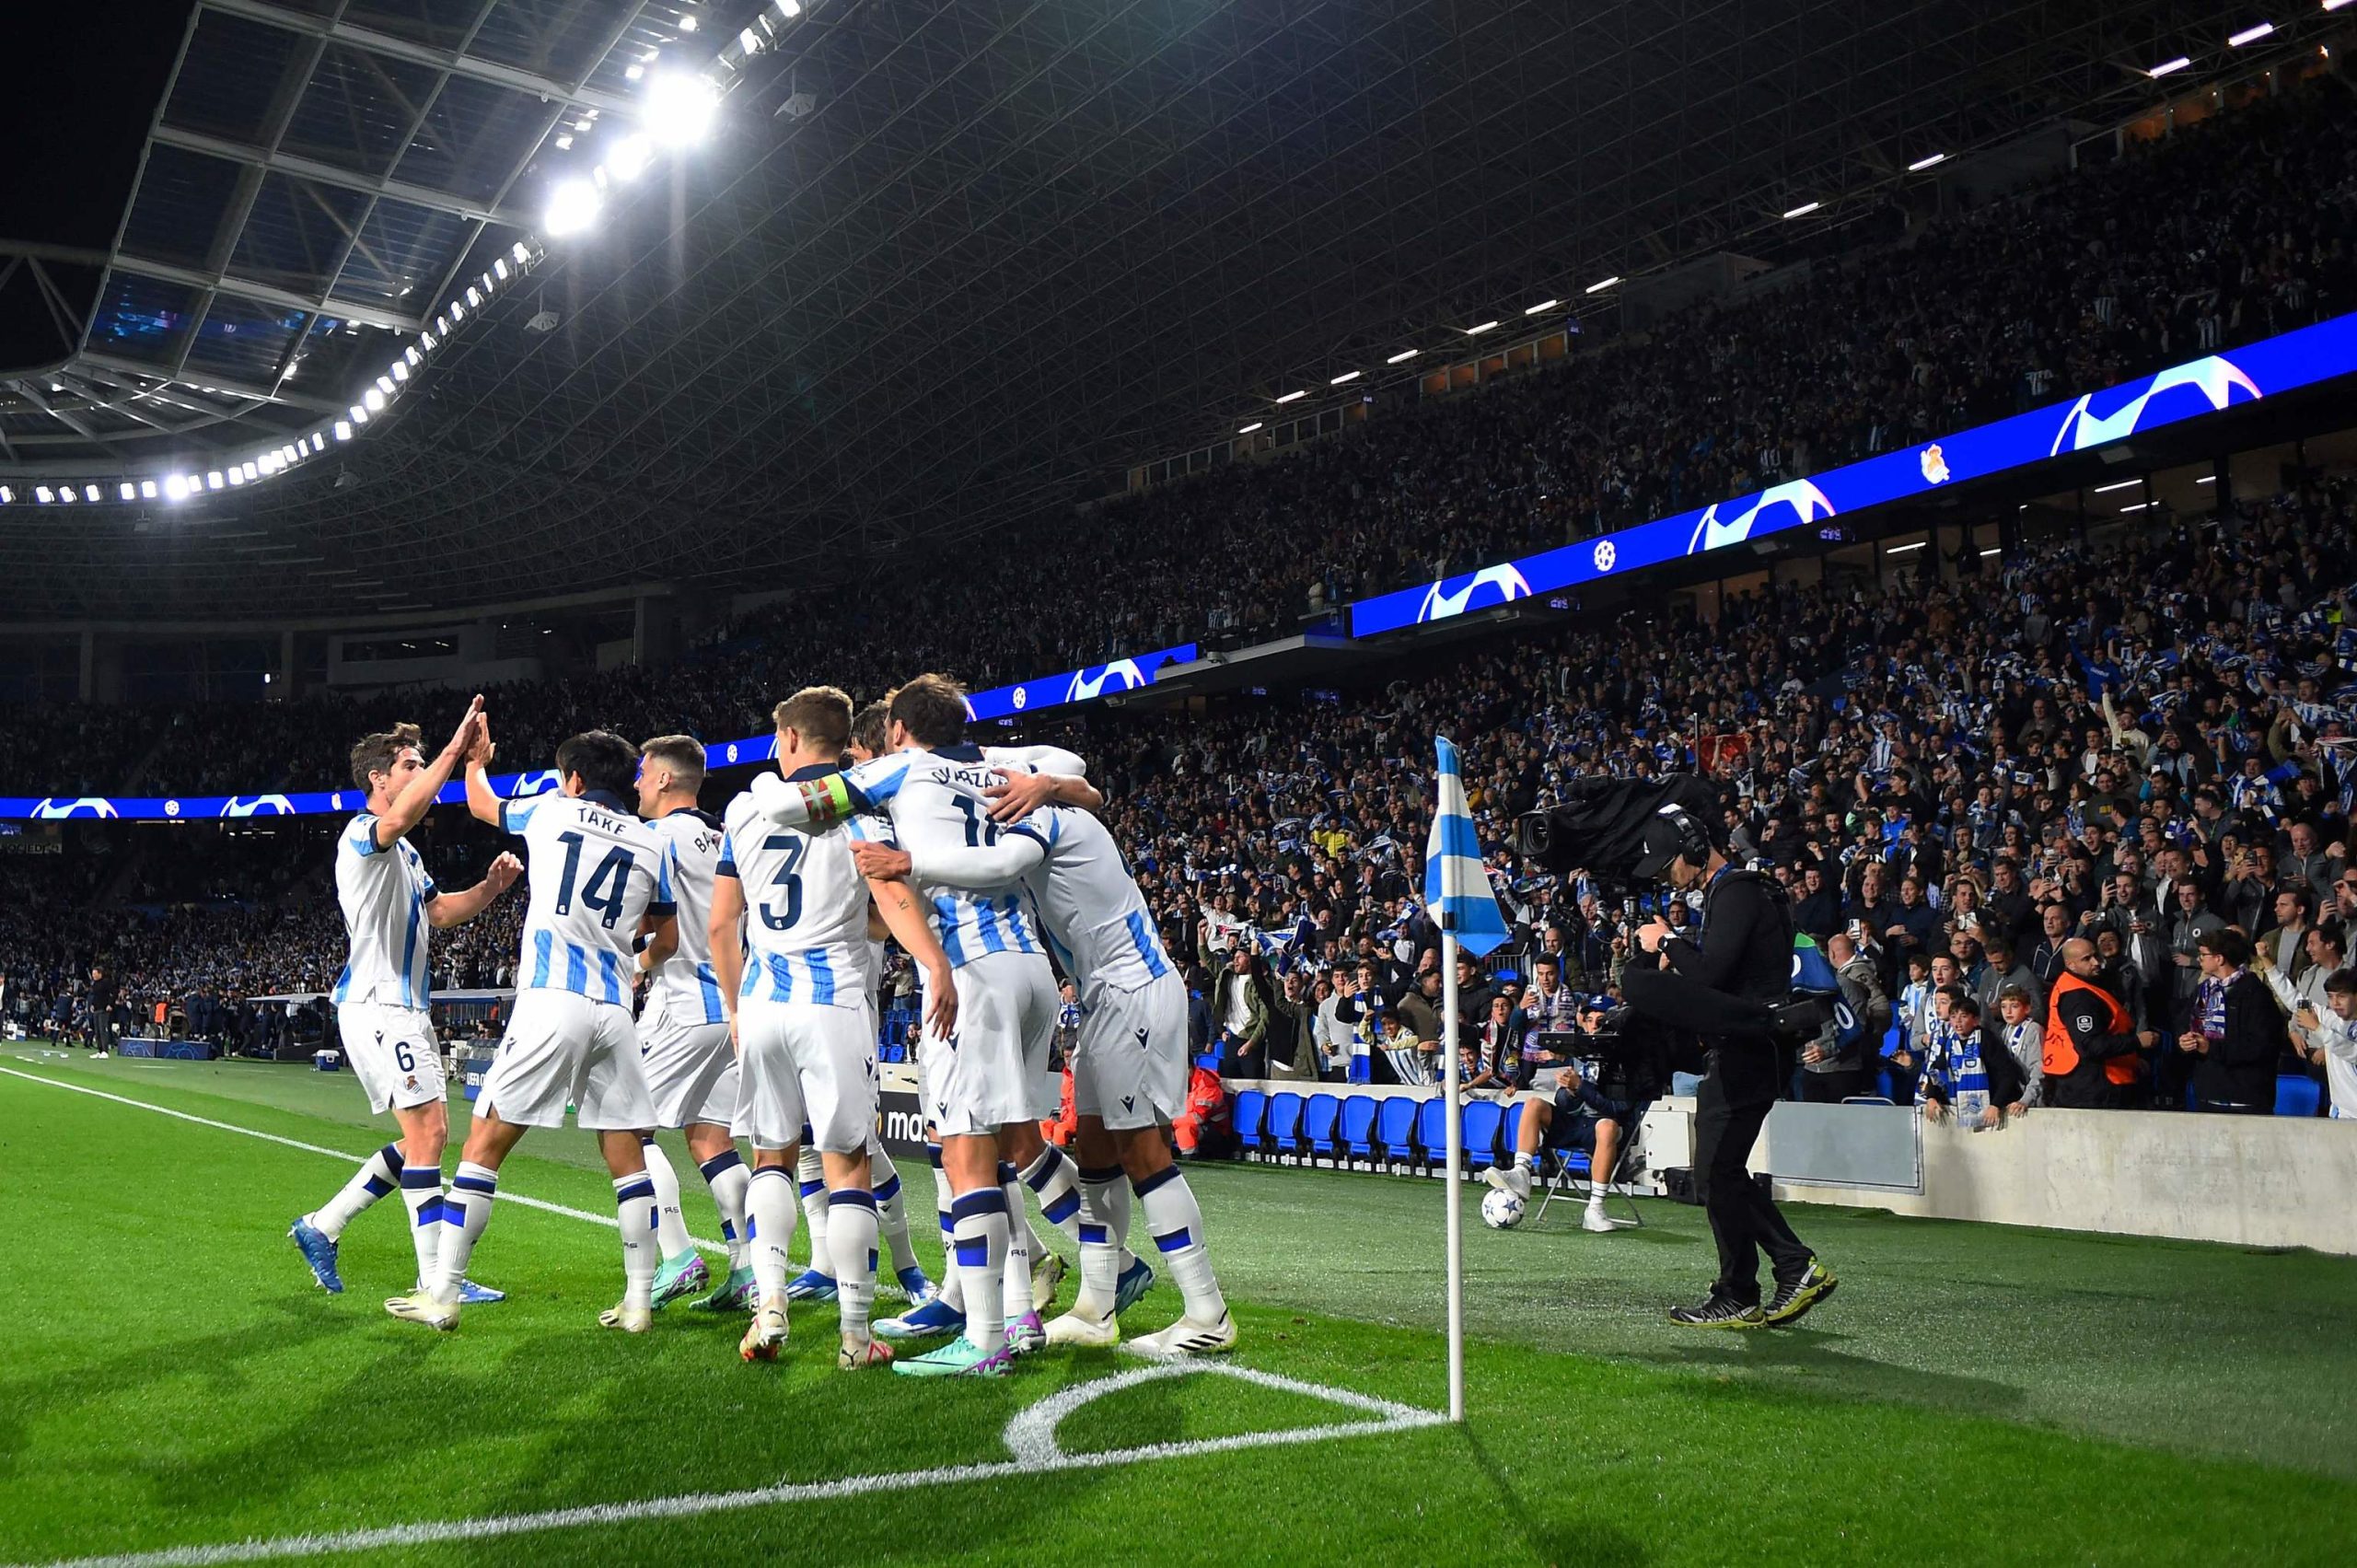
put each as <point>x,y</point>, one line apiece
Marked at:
<point>1693,840</point>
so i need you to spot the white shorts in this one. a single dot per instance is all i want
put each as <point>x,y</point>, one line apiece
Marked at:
<point>564,1049</point>
<point>992,1072</point>
<point>394,1052</point>
<point>1129,1067</point>
<point>807,1065</point>
<point>691,1069</point>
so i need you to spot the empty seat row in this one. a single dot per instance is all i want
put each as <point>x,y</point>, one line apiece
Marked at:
<point>1361,1132</point>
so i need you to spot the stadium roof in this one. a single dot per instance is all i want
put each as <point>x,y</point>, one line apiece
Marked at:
<point>944,264</point>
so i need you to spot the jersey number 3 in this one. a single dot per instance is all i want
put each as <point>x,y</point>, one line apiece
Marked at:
<point>794,846</point>
<point>604,892</point>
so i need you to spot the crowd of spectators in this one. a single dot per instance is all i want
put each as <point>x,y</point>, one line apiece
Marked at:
<point>2238,226</point>
<point>2139,746</point>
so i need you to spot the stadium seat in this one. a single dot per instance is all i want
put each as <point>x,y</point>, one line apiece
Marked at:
<point>1394,1121</point>
<point>1285,1126</point>
<point>1431,1131</point>
<point>1358,1129</point>
<point>1318,1119</point>
<point>1483,1120</point>
<point>2298,1095</point>
<point>1249,1107</point>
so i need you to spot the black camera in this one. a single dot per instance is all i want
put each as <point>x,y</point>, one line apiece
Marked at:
<point>1599,827</point>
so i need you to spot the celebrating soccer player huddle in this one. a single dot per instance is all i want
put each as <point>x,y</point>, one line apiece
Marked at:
<point>759,937</point>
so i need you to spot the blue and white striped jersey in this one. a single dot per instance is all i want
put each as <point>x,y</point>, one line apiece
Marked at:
<point>684,987</point>
<point>383,893</point>
<point>594,870</point>
<point>805,907</point>
<point>1087,899</point>
<point>935,802</point>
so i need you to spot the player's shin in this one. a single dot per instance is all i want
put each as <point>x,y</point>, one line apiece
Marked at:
<point>670,1224</point>
<point>1175,1223</point>
<point>979,1231</point>
<point>1014,1281</point>
<point>1102,1221</point>
<point>953,1286</point>
<point>812,1172</point>
<point>422,1195</point>
<point>892,1222</point>
<point>466,1209</point>
<point>725,1174</point>
<point>850,1239</point>
<point>635,1209</point>
<point>769,1219</point>
<point>1056,1181</point>
<point>378,1175</point>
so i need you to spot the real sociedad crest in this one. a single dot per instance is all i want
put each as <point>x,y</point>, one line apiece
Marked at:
<point>1122,675</point>
<point>1807,501</point>
<point>2214,377</point>
<point>534,783</point>
<point>55,810</point>
<point>259,806</point>
<point>1455,595</point>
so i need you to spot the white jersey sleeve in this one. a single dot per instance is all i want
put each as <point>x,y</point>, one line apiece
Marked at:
<point>1090,906</point>
<point>806,909</point>
<point>684,986</point>
<point>594,871</point>
<point>1036,760</point>
<point>383,891</point>
<point>935,802</point>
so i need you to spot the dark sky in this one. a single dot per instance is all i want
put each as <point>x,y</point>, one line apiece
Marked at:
<point>84,77</point>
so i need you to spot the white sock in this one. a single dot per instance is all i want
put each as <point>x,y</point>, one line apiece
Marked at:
<point>1014,1284</point>
<point>978,1225</point>
<point>378,1175</point>
<point>1177,1224</point>
<point>670,1224</point>
<point>1100,1244</point>
<point>466,1209</point>
<point>812,1171</point>
<point>953,1281</point>
<point>850,1238</point>
<point>638,1213</point>
<point>768,1227</point>
<point>892,1221</point>
<point>1524,1160</point>
<point>1056,1181</point>
<point>725,1174</point>
<point>422,1194</point>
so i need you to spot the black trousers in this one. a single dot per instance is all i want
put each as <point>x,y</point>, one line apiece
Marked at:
<point>1744,1220</point>
<point>1832,1088</point>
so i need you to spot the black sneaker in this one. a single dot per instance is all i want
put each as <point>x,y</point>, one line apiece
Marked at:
<point>1719,1312</point>
<point>1792,1302</point>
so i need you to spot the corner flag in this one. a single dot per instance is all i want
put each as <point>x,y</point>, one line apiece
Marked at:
<point>1456,887</point>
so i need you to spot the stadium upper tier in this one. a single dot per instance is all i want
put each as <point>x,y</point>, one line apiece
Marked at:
<point>2240,228</point>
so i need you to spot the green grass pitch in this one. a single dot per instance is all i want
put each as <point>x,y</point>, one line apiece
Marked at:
<point>172,1383</point>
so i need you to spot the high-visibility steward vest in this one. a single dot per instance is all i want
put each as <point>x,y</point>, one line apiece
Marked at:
<point>2061,1053</point>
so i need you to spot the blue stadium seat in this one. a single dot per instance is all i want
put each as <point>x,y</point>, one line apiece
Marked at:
<point>1483,1120</point>
<point>2298,1095</point>
<point>1394,1122</point>
<point>1431,1130</point>
<point>1358,1128</point>
<point>1249,1106</point>
<point>1284,1124</point>
<point>1318,1119</point>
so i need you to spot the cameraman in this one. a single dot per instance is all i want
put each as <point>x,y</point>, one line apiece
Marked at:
<point>1588,1105</point>
<point>1723,981</point>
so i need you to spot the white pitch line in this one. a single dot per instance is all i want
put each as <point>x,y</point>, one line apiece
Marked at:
<point>504,1196</point>
<point>1030,1436</point>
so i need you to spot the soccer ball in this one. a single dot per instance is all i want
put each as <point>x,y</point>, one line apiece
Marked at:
<point>1501,1210</point>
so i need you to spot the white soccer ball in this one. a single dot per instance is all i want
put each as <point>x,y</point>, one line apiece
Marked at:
<point>1501,1210</point>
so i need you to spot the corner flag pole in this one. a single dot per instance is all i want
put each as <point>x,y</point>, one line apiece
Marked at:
<point>1449,1075</point>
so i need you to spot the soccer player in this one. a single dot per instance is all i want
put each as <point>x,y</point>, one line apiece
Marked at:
<point>383,997</point>
<point>683,1040</point>
<point>596,873</point>
<point>1130,1066</point>
<point>990,1077</point>
<point>796,977</point>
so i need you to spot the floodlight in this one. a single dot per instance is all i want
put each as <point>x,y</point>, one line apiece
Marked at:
<point>680,108</point>
<point>1803,209</point>
<point>1477,332</point>
<point>373,400</point>
<point>147,490</point>
<point>2165,66</point>
<point>384,385</point>
<point>175,488</point>
<point>1248,429</point>
<point>1402,357</point>
<point>628,159</point>
<point>344,430</point>
<point>212,480</point>
<point>359,413</point>
<point>2250,35</point>
<point>1291,397</point>
<point>1920,164</point>
<point>573,206</point>
<point>128,491</point>
<point>1542,305</point>
<point>1602,284</point>
<point>474,297</point>
<point>1345,376</point>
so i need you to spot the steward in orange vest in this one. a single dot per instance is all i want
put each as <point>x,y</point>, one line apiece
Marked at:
<point>2090,1049</point>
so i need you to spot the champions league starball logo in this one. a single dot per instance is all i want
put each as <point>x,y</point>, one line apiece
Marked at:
<point>1122,675</point>
<point>258,806</point>
<point>2215,378</point>
<point>1806,500</point>
<point>971,717</point>
<point>55,810</point>
<point>1496,585</point>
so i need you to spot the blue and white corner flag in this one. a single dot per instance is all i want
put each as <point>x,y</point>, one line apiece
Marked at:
<point>1456,884</point>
